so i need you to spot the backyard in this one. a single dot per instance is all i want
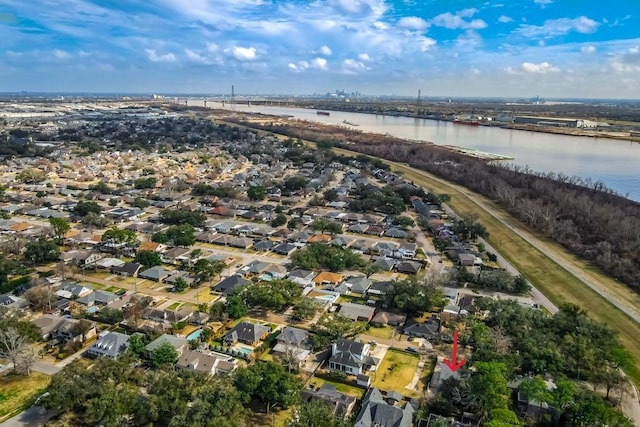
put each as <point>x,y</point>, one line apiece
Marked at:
<point>396,370</point>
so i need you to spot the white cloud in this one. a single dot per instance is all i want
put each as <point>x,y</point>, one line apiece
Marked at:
<point>561,26</point>
<point>319,64</point>
<point>364,57</point>
<point>243,53</point>
<point>588,49</point>
<point>426,43</point>
<point>629,62</point>
<point>359,7</point>
<point>351,66</point>
<point>325,50</point>
<point>61,54</point>
<point>212,47</point>
<point>153,56</point>
<point>505,19</point>
<point>413,23</point>
<point>299,67</point>
<point>543,3</point>
<point>456,20</point>
<point>541,68</point>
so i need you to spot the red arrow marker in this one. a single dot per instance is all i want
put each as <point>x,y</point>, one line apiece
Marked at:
<point>455,365</point>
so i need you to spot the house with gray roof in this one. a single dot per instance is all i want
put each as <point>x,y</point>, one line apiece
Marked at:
<point>389,318</point>
<point>385,264</point>
<point>341,404</point>
<point>98,297</point>
<point>111,345</point>
<point>155,273</point>
<point>247,333</point>
<point>209,363</point>
<point>351,357</point>
<point>376,412</point>
<point>358,284</point>
<point>429,329</point>
<point>229,285</point>
<point>179,343</point>
<point>295,342</point>
<point>357,312</point>
<point>129,269</point>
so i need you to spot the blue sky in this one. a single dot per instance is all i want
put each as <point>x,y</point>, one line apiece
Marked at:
<point>550,48</point>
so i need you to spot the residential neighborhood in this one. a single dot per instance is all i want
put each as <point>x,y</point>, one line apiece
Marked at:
<point>199,248</point>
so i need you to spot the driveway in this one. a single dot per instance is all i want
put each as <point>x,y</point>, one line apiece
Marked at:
<point>35,416</point>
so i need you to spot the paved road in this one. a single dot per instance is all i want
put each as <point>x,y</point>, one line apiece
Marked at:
<point>35,416</point>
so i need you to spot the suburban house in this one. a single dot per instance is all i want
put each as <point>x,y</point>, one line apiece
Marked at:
<point>111,344</point>
<point>406,250</point>
<point>166,316</point>
<point>229,285</point>
<point>129,269</point>
<point>179,343</point>
<point>351,357</point>
<point>59,330</point>
<point>341,404</point>
<point>376,412</point>
<point>285,249</point>
<point>247,333</point>
<point>98,297</point>
<point>157,273</point>
<point>357,312</point>
<point>358,284</point>
<point>207,363</point>
<point>408,267</point>
<point>388,318</point>
<point>293,341</point>
<point>326,277</point>
<point>71,290</point>
<point>429,329</point>
<point>303,278</point>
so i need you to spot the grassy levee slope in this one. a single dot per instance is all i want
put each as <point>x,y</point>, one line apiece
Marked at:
<point>554,281</point>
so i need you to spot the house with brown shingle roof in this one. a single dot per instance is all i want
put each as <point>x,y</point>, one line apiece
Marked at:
<point>327,277</point>
<point>319,238</point>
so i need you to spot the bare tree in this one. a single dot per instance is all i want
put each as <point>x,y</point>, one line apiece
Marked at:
<point>14,347</point>
<point>40,297</point>
<point>289,358</point>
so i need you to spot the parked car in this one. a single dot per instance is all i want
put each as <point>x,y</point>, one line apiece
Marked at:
<point>412,349</point>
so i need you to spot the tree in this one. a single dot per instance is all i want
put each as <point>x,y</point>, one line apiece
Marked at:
<point>256,193</point>
<point>84,207</point>
<point>81,328</point>
<point>31,176</point>
<point>414,297</point>
<point>314,413</point>
<point>164,354</point>
<point>279,220</point>
<point>140,203</point>
<point>180,285</point>
<point>14,347</point>
<point>273,294</point>
<point>148,258</point>
<point>205,270</point>
<point>269,382</point>
<point>235,307</point>
<point>178,217</point>
<point>181,235</point>
<point>488,385</point>
<point>60,226</point>
<point>113,202</point>
<point>40,298</point>
<point>93,219</point>
<point>117,237</point>
<point>303,309</point>
<point>41,251</point>
<point>136,344</point>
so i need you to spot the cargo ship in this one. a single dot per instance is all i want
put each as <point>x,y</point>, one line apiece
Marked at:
<point>346,122</point>
<point>323,113</point>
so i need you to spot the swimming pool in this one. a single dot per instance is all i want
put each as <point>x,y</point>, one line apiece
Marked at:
<point>194,335</point>
<point>243,350</point>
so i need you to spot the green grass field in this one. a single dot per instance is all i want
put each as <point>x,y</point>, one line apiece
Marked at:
<point>18,393</point>
<point>350,390</point>
<point>396,370</point>
<point>385,332</point>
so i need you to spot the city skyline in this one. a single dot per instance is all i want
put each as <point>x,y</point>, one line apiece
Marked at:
<point>455,48</point>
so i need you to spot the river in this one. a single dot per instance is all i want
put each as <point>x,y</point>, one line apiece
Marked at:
<point>615,163</point>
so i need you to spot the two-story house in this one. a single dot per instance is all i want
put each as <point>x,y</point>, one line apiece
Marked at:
<point>351,357</point>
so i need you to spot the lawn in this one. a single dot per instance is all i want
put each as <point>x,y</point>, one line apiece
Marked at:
<point>384,332</point>
<point>18,393</point>
<point>350,390</point>
<point>174,306</point>
<point>115,289</point>
<point>396,370</point>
